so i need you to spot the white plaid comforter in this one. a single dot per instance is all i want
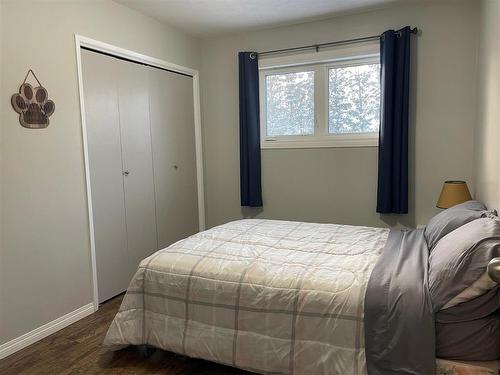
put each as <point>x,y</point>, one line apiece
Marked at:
<point>264,295</point>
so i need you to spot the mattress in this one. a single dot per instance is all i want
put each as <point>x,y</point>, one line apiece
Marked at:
<point>274,297</point>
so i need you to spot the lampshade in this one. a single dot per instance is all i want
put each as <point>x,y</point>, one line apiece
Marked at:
<point>453,192</point>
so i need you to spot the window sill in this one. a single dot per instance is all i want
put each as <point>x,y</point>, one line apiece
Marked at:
<point>343,141</point>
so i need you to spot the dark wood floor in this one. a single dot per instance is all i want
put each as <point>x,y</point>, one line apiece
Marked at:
<point>77,349</point>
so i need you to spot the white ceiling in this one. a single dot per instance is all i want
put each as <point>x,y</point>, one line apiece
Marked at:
<point>204,18</point>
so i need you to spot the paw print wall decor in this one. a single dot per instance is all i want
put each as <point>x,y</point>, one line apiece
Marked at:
<point>33,105</point>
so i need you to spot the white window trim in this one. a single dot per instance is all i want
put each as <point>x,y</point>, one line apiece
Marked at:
<point>319,63</point>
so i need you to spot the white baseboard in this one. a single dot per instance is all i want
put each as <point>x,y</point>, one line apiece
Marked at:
<point>39,333</point>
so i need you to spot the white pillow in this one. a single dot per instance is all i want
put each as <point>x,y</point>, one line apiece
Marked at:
<point>480,287</point>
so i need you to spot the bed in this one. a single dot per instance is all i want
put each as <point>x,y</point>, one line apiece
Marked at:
<point>282,297</point>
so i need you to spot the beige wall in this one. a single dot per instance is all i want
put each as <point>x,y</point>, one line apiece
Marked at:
<point>487,152</point>
<point>339,184</point>
<point>1,179</point>
<point>45,256</point>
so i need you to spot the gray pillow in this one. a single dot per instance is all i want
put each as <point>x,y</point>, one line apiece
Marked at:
<point>477,308</point>
<point>461,257</point>
<point>450,219</point>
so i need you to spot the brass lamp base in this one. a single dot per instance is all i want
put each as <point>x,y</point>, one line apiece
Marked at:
<point>494,269</point>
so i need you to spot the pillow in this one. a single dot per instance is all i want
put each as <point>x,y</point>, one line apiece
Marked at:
<point>450,219</point>
<point>474,309</point>
<point>460,259</point>
<point>481,286</point>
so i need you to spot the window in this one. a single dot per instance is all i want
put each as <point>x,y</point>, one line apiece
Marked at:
<point>290,104</point>
<point>354,99</point>
<point>332,103</point>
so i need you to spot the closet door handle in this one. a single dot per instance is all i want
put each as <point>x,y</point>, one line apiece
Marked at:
<point>125,173</point>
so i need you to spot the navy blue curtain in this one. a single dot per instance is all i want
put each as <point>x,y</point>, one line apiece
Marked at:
<point>250,174</point>
<point>392,194</point>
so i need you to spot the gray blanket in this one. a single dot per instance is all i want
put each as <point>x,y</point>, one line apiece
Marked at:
<point>399,319</point>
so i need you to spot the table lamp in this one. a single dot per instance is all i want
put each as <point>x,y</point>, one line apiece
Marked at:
<point>453,193</point>
<point>494,269</point>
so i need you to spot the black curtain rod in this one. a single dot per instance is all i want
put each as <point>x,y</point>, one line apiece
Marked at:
<point>323,45</point>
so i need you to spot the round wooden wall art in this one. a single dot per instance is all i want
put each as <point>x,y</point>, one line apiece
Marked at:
<point>33,105</point>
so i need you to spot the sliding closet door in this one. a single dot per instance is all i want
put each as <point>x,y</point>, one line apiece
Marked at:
<point>142,162</point>
<point>138,181</point>
<point>174,155</point>
<point>105,164</point>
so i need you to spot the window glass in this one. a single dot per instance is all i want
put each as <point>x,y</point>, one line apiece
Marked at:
<point>354,99</point>
<point>290,104</point>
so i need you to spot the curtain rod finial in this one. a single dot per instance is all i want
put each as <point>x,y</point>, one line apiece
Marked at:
<point>414,30</point>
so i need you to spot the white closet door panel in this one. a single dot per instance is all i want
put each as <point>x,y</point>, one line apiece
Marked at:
<point>174,155</point>
<point>105,165</point>
<point>138,180</point>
